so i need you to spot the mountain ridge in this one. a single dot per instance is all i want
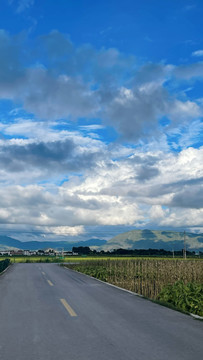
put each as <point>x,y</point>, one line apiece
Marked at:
<point>134,239</point>
<point>154,239</point>
<point>7,242</point>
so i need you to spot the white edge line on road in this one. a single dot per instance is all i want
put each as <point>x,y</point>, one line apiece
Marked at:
<point>128,291</point>
<point>196,316</point>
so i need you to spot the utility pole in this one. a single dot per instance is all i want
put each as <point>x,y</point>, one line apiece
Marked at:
<point>184,250</point>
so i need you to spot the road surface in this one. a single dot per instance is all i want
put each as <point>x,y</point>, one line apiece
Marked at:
<point>48,313</point>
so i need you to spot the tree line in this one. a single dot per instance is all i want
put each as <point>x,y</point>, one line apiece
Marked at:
<point>85,250</point>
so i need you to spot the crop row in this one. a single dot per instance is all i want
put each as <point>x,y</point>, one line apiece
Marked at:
<point>145,277</point>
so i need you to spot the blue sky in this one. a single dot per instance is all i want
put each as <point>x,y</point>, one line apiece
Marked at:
<point>101,117</point>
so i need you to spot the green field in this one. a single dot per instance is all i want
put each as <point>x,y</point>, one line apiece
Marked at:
<point>33,259</point>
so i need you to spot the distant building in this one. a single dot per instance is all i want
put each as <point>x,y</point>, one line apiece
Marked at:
<point>16,252</point>
<point>26,252</point>
<point>50,252</point>
<point>5,253</point>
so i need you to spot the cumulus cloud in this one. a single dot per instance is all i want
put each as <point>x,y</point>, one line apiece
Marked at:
<point>50,155</point>
<point>189,71</point>
<point>15,158</point>
<point>153,73</point>
<point>113,194</point>
<point>11,68</point>
<point>50,98</point>
<point>180,111</point>
<point>70,83</point>
<point>156,213</point>
<point>183,218</point>
<point>135,113</point>
<point>59,176</point>
<point>147,172</point>
<point>189,197</point>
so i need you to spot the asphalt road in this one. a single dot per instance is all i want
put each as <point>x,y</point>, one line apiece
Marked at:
<point>48,313</point>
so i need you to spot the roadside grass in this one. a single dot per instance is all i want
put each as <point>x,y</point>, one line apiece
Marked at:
<point>4,264</point>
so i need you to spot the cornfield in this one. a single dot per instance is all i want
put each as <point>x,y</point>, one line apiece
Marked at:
<point>145,277</point>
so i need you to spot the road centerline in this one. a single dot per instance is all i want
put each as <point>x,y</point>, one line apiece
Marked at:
<point>50,283</point>
<point>68,307</point>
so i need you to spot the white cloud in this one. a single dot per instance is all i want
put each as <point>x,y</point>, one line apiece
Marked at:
<point>113,194</point>
<point>135,113</point>
<point>180,110</point>
<point>141,183</point>
<point>132,99</point>
<point>197,53</point>
<point>40,151</point>
<point>156,213</point>
<point>51,98</point>
<point>183,218</point>
<point>21,5</point>
<point>64,230</point>
<point>190,71</point>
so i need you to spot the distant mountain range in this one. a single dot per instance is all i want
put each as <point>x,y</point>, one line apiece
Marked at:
<point>154,239</point>
<point>7,242</point>
<point>135,239</point>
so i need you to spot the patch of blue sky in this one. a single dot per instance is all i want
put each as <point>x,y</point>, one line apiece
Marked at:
<point>58,181</point>
<point>64,124</point>
<point>195,89</point>
<point>7,110</point>
<point>64,180</point>
<point>10,111</point>
<point>186,88</point>
<point>164,121</point>
<point>87,125</point>
<point>75,125</point>
<point>165,31</point>
<point>107,134</point>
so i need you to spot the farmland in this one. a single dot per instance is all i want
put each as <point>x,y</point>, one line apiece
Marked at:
<point>151,278</point>
<point>81,258</point>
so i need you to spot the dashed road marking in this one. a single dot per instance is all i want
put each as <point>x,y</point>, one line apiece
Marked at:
<point>68,307</point>
<point>50,283</point>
